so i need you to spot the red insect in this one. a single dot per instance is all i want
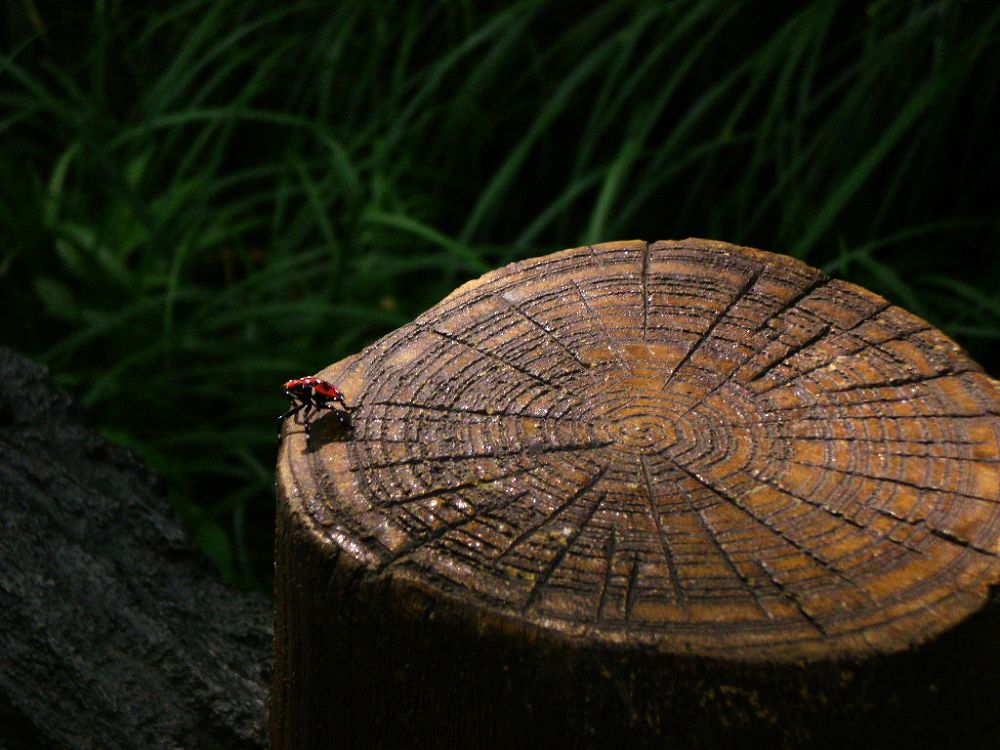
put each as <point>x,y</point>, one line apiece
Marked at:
<point>308,394</point>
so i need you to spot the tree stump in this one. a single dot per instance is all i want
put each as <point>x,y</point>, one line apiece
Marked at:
<point>683,493</point>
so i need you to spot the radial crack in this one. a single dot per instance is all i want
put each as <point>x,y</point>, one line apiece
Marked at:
<point>877,346</point>
<point>840,405</point>
<point>826,565</point>
<point>954,539</point>
<point>820,281</point>
<point>631,586</point>
<point>542,581</point>
<point>439,531</point>
<point>604,329</point>
<point>854,439</point>
<point>581,365</point>
<point>505,362</point>
<point>923,524</point>
<point>755,351</point>
<point>707,335</point>
<point>838,514</point>
<point>898,382</point>
<point>792,597</point>
<point>717,543</point>
<point>795,349</point>
<point>609,554</point>
<point>548,518</point>
<point>492,413</point>
<point>858,418</point>
<point>664,545</point>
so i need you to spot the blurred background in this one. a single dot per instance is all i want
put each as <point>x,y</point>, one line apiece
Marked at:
<point>199,200</point>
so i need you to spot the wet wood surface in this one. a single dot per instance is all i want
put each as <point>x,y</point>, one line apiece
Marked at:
<point>685,449</point>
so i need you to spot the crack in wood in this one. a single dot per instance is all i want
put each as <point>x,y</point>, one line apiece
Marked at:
<point>542,581</point>
<point>741,293</point>
<point>604,329</point>
<point>862,418</point>
<point>609,555</point>
<point>580,364</point>
<point>548,518</point>
<point>816,284</point>
<point>853,439</point>
<point>865,345</point>
<point>821,334</point>
<point>955,539</point>
<point>490,413</point>
<point>841,404</point>
<point>632,587</point>
<point>923,524</point>
<point>802,548</point>
<point>436,533</point>
<point>899,382</point>
<point>754,352</point>
<point>792,597</point>
<point>838,514</point>
<point>505,362</point>
<point>716,542</point>
<point>661,535</point>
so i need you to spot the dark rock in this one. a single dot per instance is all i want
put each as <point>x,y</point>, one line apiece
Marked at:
<point>114,631</point>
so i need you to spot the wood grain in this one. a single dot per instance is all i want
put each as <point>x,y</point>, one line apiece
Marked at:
<point>690,447</point>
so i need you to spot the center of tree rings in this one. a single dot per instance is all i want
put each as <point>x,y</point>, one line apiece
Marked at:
<point>644,433</point>
<point>636,425</point>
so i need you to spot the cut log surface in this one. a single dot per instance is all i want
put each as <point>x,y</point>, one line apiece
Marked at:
<point>685,448</point>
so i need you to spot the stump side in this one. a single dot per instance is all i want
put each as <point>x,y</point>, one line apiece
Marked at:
<point>366,664</point>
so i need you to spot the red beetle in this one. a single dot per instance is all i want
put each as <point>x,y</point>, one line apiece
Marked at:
<point>311,393</point>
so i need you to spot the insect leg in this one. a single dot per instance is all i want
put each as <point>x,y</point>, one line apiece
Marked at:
<point>305,419</point>
<point>293,411</point>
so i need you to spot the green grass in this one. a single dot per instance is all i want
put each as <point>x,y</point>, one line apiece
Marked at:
<point>201,201</point>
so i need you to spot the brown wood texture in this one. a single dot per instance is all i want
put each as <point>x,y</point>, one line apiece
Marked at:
<point>678,448</point>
